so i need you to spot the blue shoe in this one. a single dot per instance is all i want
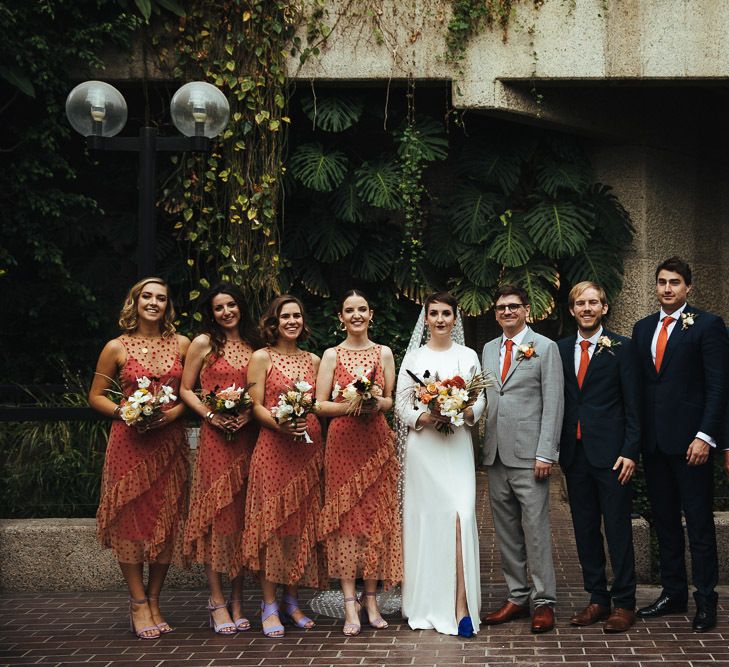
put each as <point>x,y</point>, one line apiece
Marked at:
<point>465,627</point>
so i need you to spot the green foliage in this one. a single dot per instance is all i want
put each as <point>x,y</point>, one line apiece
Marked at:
<point>317,168</point>
<point>56,240</point>
<point>53,468</point>
<point>377,183</point>
<point>559,229</point>
<point>467,18</point>
<point>333,113</point>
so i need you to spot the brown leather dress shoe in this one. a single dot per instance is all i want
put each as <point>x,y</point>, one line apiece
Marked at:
<point>508,612</point>
<point>592,613</point>
<point>620,620</point>
<point>543,619</point>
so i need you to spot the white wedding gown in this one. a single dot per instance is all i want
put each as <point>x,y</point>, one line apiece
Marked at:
<point>439,485</point>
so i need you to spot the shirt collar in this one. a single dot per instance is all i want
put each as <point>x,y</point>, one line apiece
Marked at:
<point>676,315</point>
<point>517,339</point>
<point>593,339</point>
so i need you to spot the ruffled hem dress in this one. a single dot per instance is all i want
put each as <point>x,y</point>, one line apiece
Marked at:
<point>144,482</point>
<point>216,517</point>
<point>284,490</point>
<point>360,520</point>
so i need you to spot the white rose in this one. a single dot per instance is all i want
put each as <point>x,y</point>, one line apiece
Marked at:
<point>229,404</point>
<point>349,393</point>
<point>457,420</point>
<point>336,390</point>
<point>303,386</point>
<point>130,413</point>
<point>143,382</point>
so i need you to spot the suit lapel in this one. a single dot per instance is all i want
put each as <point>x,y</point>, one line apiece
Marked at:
<point>646,341</point>
<point>597,359</point>
<point>492,359</point>
<point>568,361</point>
<point>528,338</point>
<point>674,340</point>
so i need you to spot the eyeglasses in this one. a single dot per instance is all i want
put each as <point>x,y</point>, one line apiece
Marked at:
<point>511,307</point>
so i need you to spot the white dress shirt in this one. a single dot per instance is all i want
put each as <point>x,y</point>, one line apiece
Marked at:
<point>590,350</point>
<point>676,315</point>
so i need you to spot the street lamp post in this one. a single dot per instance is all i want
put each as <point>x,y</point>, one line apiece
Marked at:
<point>98,111</point>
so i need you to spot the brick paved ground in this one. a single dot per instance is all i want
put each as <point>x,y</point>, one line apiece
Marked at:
<point>90,628</point>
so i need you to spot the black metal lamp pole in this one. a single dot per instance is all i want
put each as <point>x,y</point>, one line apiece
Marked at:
<point>148,144</point>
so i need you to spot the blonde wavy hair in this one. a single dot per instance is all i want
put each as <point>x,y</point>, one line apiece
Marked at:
<point>128,315</point>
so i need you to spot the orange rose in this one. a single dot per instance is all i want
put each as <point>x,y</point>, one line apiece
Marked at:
<point>529,352</point>
<point>426,398</point>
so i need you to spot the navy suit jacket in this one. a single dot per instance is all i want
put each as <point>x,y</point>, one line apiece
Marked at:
<point>607,406</point>
<point>690,392</point>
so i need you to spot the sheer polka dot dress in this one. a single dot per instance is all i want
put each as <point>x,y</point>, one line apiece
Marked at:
<point>215,518</point>
<point>144,482</point>
<point>284,490</point>
<point>360,521</point>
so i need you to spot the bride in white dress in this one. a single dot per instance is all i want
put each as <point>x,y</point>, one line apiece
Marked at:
<point>441,587</point>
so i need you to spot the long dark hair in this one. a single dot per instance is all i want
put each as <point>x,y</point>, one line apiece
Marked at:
<point>247,330</point>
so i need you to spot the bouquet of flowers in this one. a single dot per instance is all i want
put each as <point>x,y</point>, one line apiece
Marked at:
<point>450,398</point>
<point>145,402</point>
<point>295,403</point>
<point>363,388</point>
<point>230,401</point>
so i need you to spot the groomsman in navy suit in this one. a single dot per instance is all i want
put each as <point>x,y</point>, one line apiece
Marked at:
<point>599,448</point>
<point>682,354</point>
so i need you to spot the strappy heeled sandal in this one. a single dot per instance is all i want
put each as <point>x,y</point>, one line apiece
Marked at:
<point>242,623</point>
<point>353,629</point>
<point>164,626</point>
<point>291,604</point>
<point>378,623</point>
<point>141,633</point>
<point>227,629</point>
<point>269,609</point>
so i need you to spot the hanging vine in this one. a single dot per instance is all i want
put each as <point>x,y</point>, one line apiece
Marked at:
<point>228,201</point>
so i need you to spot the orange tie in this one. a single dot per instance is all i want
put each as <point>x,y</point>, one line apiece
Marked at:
<point>507,359</point>
<point>581,372</point>
<point>662,342</point>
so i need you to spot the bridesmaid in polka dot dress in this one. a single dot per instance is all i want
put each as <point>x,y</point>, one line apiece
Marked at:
<point>360,520</point>
<point>144,483</point>
<point>217,359</point>
<point>284,488</point>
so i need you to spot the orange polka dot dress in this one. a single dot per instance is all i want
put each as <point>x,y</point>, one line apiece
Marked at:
<point>284,490</point>
<point>144,482</point>
<point>360,519</point>
<point>217,501</point>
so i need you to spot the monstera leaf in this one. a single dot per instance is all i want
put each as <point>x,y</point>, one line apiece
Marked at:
<point>317,168</point>
<point>492,165</point>
<point>311,277</point>
<point>347,204</point>
<point>372,260</point>
<point>429,137</point>
<point>481,270</point>
<point>612,221</point>
<point>472,299</point>
<point>510,245</point>
<point>559,228</point>
<point>333,112</point>
<point>541,282</point>
<point>555,177</point>
<point>415,288</point>
<point>377,183</point>
<point>471,211</point>
<point>442,245</point>
<point>332,240</point>
<point>598,263</point>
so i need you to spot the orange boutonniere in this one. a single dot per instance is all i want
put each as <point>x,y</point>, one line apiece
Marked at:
<point>526,351</point>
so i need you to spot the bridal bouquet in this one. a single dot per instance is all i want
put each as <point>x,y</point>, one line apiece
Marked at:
<point>295,403</point>
<point>450,398</point>
<point>230,401</point>
<point>146,401</point>
<point>363,388</point>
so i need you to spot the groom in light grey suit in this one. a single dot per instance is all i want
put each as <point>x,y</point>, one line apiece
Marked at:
<point>523,425</point>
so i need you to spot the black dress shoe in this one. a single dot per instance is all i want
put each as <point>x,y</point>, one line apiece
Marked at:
<point>665,604</point>
<point>705,618</point>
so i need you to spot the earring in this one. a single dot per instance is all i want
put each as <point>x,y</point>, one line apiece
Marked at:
<point>342,326</point>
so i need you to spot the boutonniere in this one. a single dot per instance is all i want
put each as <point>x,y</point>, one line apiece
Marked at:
<point>687,320</point>
<point>607,343</point>
<point>526,351</point>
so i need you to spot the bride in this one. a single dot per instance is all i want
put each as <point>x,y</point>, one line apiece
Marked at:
<point>441,587</point>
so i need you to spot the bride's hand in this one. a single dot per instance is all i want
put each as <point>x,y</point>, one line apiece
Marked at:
<point>429,418</point>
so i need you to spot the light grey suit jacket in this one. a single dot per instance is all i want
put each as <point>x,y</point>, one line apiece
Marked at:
<point>524,414</point>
